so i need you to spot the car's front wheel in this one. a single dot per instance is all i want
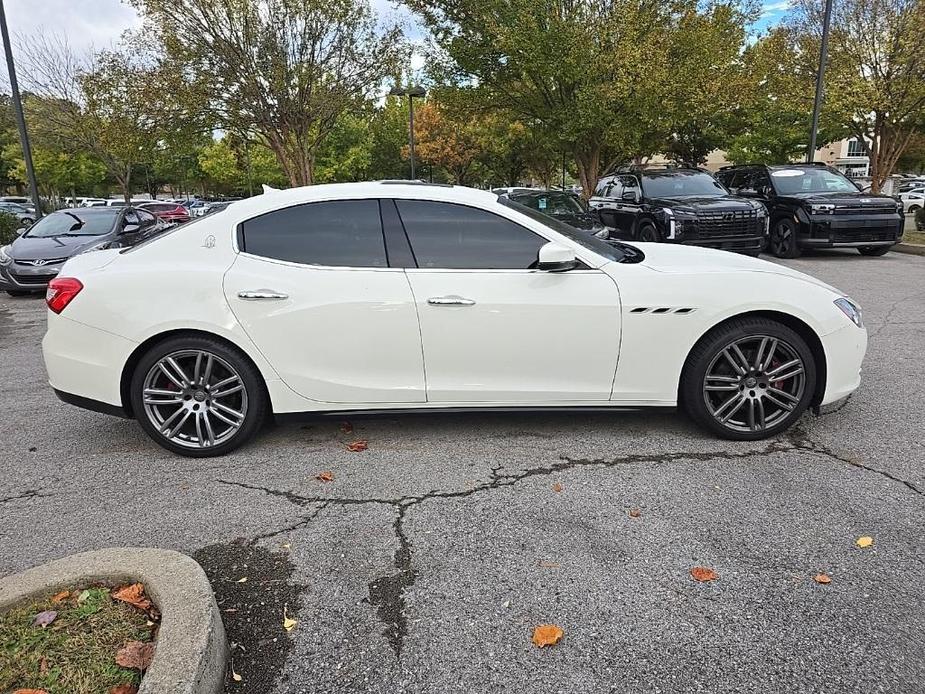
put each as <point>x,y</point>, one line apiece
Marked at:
<point>197,396</point>
<point>874,250</point>
<point>783,242</point>
<point>648,233</point>
<point>748,379</point>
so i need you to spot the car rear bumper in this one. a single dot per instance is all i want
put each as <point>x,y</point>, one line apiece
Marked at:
<point>83,362</point>
<point>844,352</point>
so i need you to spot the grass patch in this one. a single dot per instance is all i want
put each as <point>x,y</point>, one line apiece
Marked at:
<point>75,654</point>
<point>914,237</point>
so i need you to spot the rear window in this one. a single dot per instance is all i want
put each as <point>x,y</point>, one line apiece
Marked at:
<point>341,233</point>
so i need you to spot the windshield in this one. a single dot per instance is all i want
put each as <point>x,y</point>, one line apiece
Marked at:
<point>680,184</point>
<point>582,238</point>
<point>73,223</point>
<point>550,203</point>
<point>790,181</point>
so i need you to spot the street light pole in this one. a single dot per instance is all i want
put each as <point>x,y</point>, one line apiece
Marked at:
<point>820,75</point>
<point>411,92</point>
<point>20,119</point>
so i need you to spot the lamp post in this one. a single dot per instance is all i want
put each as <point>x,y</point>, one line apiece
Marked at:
<point>820,74</point>
<point>20,119</point>
<point>410,92</point>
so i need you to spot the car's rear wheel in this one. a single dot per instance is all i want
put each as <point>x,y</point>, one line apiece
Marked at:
<point>783,241</point>
<point>648,233</point>
<point>874,250</point>
<point>748,379</point>
<point>197,396</point>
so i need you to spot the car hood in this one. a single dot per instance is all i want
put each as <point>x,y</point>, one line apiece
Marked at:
<point>671,258</point>
<point>48,247</point>
<point>705,203</point>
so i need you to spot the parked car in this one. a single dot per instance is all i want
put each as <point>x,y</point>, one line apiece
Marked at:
<point>679,205</point>
<point>21,201</point>
<point>213,207</point>
<point>169,212</point>
<point>120,202</point>
<point>816,206</point>
<point>197,208</point>
<point>24,216</point>
<point>913,200</point>
<point>29,263</point>
<point>336,298</point>
<point>565,207</point>
<point>92,202</point>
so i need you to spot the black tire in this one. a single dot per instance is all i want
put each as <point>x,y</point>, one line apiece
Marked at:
<point>783,242</point>
<point>648,233</point>
<point>693,391</point>
<point>253,400</point>
<point>913,209</point>
<point>874,250</point>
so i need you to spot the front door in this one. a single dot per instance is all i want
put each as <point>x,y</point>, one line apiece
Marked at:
<point>313,290</point>
<point>493,329</point>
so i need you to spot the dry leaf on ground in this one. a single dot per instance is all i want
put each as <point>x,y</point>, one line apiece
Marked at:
<point>124,689</point>
<point>235,676</point>
<point>557,487</point>
<point>133,594</point>
<point>135,654</point>
<point>703,574</point>
<point>43,619</point>
<point>547,635</point>
<point>326,476</point>
<point>29,691</point>
<point>243,579</point>
<point>346,427</point>
<point>288,622</point>
<point>822,578</point>
<point>635,513</point>
<point>61,597</point>
<point>358,446</point>
<point>865,541</point>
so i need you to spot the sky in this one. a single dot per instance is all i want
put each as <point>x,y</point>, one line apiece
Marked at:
<point>100,23</point>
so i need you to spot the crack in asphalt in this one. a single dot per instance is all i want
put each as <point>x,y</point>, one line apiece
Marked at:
<point>387,592</point>
<point>888,317</point>
<point>28,494</point>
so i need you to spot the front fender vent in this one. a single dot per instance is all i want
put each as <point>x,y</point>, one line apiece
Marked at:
<point>663,309</point>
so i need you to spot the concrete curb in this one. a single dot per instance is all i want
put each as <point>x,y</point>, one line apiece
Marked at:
<point>191,652</point>
<point>910,248</point>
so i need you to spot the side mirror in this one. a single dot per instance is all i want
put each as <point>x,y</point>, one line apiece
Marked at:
<point>130,229</point>
<point>629,196</point>
<point>554,257</point>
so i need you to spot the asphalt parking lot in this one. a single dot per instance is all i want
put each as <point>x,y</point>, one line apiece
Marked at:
<point>427,560</point>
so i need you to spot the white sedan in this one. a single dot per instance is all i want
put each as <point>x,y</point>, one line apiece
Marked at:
<point>405,296</point>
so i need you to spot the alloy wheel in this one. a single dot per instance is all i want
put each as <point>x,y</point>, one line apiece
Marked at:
<point>753,383</point>
<point>782,239</point>
<point>195,398</point>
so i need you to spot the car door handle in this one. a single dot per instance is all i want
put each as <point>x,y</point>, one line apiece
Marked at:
<point>450,301</point>
<point>261,294</point>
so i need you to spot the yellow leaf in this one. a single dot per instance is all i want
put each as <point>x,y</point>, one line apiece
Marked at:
<point>547,635</point>
<point>864,541</point>
<point>288,622</point>
<point>822,578</point>
<point>242,580</point>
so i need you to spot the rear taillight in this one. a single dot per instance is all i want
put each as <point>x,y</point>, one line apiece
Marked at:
<point>61,291</point>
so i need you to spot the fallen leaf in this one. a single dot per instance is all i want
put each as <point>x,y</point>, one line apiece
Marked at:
<point>43,619</point>
<point>235,676</point>
<point>703,574</point>
<point>358,446</point>
<point>133,594</point>
<point>506,604</point>
<point>136,655</point>
<point>288,622</point>
<point>557,487</point>
<point>864,541</point>
<point>287,545</point>
<point>61,597</point>
<point>346,427</point>
<point>547,635</point>
<point>243,579</point>
<point>124,689</point>
<point>822,578</point>
<point>43,666</point>
<point>326,476</point>
<point>29,691</point>
<point>83,596</point>
<point>635,513</point>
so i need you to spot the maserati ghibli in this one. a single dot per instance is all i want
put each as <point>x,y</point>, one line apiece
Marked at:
<point>389,296</point>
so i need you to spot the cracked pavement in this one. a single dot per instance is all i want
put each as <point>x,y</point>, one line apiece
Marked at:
<point>427,561</point>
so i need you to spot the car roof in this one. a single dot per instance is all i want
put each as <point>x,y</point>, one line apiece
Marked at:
<point>273,199</point>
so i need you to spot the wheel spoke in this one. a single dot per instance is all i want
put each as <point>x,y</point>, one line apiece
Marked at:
<point>786,370</point>
<point>184,380</point>
<point>756,415</point>
<point>765,353</point>
<point>218,415</point>
<point>207,374</point>
<point>207,429</point>
<point>158,396</point>
<point>176,429</point>
<point>221,384</point>
<point>173,379</point>
<point>733,359</point>
<point>727,387</point>
<point>228,391</point>
<point>729,406</point>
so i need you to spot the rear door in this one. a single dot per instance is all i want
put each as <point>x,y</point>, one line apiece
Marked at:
<point>495,330</point>
<point>313,289</point>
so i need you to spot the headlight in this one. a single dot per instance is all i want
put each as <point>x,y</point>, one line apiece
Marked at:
<point>821,209</point>
<point>850,309</point>
<point>4,258</point>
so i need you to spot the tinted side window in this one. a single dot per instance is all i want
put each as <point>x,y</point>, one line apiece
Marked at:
<point>337,233</point>
<point>601,189</point>
<point>445,235</point>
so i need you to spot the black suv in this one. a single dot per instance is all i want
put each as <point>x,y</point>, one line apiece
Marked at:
<point>679,205</point>
<point>815,206</point>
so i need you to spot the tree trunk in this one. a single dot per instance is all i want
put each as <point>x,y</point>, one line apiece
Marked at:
<point>588,160</point>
